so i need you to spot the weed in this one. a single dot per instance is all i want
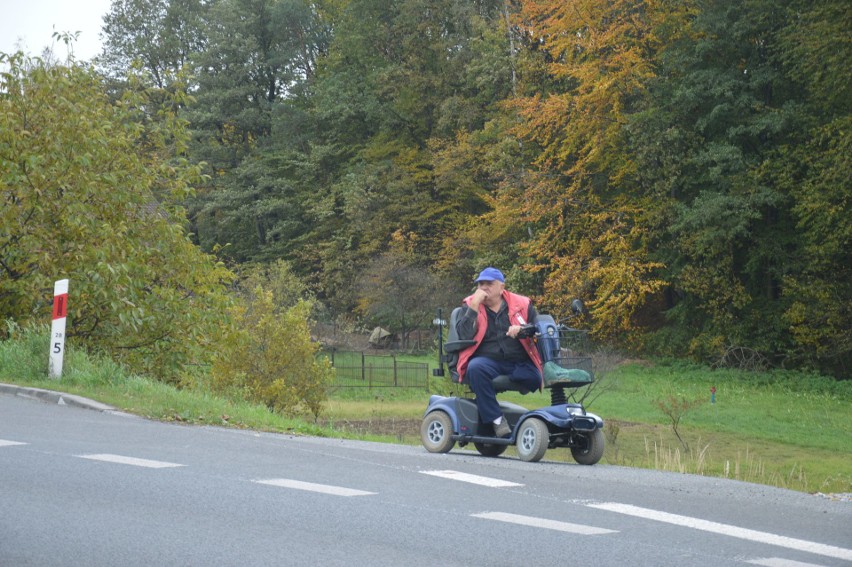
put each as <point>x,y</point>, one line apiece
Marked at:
<point>675,407</point>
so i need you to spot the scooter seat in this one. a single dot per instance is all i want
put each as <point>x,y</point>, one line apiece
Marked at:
<point>556,375</point>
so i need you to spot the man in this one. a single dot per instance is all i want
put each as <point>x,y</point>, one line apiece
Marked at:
<point>493,318</point>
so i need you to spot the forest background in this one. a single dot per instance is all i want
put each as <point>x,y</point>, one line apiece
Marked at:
<point>683,167</point>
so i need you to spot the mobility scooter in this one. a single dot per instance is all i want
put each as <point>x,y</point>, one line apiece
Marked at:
<point>455,419</point>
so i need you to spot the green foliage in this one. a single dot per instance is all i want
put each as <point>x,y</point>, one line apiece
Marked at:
<point>162,35</point>
<point>91,191</point>
<point>23,358</point>
<point>27,359</point>
<point>268,356</point>
<point>278,278</point>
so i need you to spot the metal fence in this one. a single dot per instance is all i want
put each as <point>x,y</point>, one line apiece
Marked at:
<point>361,370</point>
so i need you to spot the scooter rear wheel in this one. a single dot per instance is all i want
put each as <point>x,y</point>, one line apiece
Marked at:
<point>489,450</point>
<point>436,432</point>
<point>532,440</point>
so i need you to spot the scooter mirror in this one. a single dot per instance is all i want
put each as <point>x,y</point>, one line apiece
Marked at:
<point>577,307</point>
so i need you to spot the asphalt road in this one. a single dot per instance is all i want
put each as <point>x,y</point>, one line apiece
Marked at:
<point>84,487</point>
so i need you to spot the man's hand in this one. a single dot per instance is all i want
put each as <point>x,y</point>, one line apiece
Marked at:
<point>513,331</point>
<point>478,297</point>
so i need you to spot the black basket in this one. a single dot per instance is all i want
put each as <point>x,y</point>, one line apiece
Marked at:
<point>561,342</point>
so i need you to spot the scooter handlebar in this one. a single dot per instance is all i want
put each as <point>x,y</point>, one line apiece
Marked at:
<point>526,331</point>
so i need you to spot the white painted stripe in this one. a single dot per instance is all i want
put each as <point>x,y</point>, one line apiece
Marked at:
<point>472,478</point>
<point>311,487</point>
<point>779,562</point>
<point>543,523</point>
<point>4,443</point>
<point>728,530</point>
<point>130,461</point>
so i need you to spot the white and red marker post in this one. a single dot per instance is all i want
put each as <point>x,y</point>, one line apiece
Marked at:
<point>57,328</point>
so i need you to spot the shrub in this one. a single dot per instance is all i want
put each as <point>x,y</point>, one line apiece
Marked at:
<point>268,356</point>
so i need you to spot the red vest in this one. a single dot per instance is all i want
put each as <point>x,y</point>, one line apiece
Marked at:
<point>518,306</point>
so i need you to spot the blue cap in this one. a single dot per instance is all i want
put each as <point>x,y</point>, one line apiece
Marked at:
<point>490,274</point>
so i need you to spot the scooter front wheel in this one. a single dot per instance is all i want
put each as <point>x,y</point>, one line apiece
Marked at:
<point>532,440</point>
<point>436,432</point>
<point>592,448</point>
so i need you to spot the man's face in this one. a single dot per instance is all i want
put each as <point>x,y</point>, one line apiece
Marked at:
<point>490,287</point>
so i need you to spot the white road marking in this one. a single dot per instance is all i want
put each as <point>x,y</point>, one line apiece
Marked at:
<point>472,478</point>
<point>779,562</point>
<point>311,487</point>
<point>728,530</point>
<point>543,523</point>
<point>4,443</point>
<point>122,460</point>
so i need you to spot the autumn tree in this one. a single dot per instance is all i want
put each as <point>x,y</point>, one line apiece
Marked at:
<point>576,212</point>
<point>681,166</point>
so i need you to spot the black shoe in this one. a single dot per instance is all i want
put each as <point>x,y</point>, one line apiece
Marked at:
<point>502,429</point>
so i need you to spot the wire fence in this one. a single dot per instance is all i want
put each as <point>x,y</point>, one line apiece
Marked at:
<point>361,370</point>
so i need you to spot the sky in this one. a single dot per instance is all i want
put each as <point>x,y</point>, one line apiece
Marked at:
<point>29,24</point>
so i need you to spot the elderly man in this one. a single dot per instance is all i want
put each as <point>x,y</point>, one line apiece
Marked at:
<point>493,319</point>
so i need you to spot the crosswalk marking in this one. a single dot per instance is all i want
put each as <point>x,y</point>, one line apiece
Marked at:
<point>543,523</point>
<point>311,487</point>
<point>5,443</point>
<point>472,478</point>
<point>728,530</point>
<point>120,459</point>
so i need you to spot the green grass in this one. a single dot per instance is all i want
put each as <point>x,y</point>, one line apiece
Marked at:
<point>786,429</point>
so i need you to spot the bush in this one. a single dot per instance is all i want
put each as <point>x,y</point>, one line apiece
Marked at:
<point>268,356</point>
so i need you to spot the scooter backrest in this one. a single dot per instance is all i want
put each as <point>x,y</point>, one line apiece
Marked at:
<point>547,340</point>
<point>454,345</point>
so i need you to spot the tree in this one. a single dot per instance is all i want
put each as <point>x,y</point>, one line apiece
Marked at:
<point>397,294</point>
<point>163,35</point>
<point>252,78</point>
<point>816,54</point>
<point>744,101</point>
<point>90,193</point>
<point>396,78</point>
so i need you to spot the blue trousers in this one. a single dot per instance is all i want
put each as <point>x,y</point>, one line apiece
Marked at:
<point>481,371</point>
